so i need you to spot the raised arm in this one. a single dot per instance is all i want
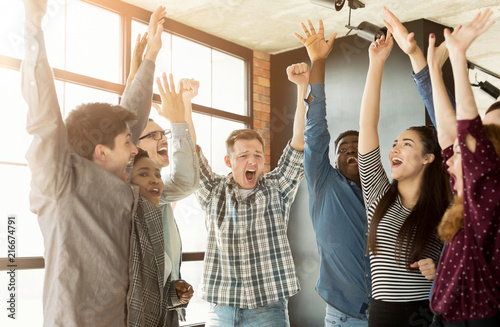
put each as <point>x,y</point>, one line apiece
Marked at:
<point>316,135</point>
<point>318,49</point>
<point>190,90</point>
<point>446,121</point>
<point>406,41</point>
<point>370,104</point>
<point>49,153</point>
<point>299,75</point>
<point>137,56</point>
<point>184,166</point>
<point>457,46</point>
<point>139,92</point>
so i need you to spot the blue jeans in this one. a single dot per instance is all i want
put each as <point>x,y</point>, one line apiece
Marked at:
<point>271,315</point>
<point>336,318</point>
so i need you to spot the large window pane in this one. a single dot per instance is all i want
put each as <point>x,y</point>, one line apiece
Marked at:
<point>192,60</point>
<point>13,117</point>
<point>197,310</point>
<point>54,32</point>
<point>29,298</point>
<point>202,125</point>
<point>190,219</point>
<point>228,83</point>
<point>75,95</point>
<point>11,29</point>
<point>164,59</point>
<point>14,194</point>
<point>93,41</point>
<point>221,128</point>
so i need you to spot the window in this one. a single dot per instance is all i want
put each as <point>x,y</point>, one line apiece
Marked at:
<point>91,63</point>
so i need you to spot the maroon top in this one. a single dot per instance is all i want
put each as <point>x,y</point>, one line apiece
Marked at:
<point>467,284</point>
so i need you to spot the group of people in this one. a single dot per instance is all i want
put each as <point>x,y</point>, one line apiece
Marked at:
<point>443,191</point>
<point>113,250</point>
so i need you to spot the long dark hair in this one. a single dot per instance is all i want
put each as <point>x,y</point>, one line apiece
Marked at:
<point>427,212</point>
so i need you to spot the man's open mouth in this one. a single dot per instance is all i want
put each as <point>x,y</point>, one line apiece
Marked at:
<point>250,175</point>
<point>352,161</point>
<point>163,152</point>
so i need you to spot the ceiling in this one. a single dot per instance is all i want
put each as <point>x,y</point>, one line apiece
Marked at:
<point>268,25</point>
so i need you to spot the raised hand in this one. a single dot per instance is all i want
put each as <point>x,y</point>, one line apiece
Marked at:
<point>437,56</point>
<point>190,88</point>
<point>405,40</point>
<point>381,49</point>
<point>460,42</point>
<point>140,46</point>
<point>34,11</point>
<point>184,291</point>
<point>316,45</point>
<point>298,73</point>
<point>155,28</point>
<point>172,105</point>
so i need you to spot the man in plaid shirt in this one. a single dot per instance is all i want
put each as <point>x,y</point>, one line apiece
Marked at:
<point>249,272</point>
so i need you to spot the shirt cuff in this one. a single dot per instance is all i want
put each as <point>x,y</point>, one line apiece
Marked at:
<point>180,130</point>
<point>422,76</point>
<point>318,91</point>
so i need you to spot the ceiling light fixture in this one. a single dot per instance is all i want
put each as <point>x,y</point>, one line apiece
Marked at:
<point>365,30</point>
<point>488,88</point>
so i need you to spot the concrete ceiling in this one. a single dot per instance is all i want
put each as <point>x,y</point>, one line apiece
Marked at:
<point>268,25</point>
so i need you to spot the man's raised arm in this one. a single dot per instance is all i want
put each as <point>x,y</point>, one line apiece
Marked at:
<point>139,92</point>
<point>48,155</point>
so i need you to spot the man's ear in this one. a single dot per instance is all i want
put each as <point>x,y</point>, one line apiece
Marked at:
<point>227,161</point>
<point>429,158</point>
<point>101,152</point>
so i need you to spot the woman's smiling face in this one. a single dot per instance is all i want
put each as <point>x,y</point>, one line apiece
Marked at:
<point>147,176</point>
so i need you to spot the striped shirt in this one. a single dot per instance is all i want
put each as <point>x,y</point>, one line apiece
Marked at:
<point>248,261</point>
<point>390,279</point>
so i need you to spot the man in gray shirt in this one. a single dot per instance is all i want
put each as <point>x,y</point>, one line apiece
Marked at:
<point>79,187</point>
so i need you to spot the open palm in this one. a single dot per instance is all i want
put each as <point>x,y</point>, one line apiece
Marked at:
<point>315,43</point>
<point>460,42</point>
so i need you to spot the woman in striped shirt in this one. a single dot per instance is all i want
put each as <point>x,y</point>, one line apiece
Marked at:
<point>403,215</point>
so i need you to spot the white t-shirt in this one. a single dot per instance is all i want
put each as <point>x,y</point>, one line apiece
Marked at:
<point>168,269</point>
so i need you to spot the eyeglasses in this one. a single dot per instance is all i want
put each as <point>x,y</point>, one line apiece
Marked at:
<point>344,150</point>
<point>157,135</point>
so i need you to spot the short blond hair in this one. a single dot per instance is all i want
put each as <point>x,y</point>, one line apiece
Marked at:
<point>242,134</point>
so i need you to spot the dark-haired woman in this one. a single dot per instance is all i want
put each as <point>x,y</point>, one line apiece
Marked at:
<point>403,215</point>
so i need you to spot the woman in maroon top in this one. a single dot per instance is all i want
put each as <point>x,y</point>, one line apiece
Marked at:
<point>467,285</point>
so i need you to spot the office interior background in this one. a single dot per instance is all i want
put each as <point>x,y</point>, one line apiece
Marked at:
<point>239,51</point>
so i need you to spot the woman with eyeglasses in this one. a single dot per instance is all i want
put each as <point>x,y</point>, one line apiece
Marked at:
<point>403,215</point>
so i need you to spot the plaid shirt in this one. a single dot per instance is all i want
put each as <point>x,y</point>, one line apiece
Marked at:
<point>149,298</point>
<point>248,262</point>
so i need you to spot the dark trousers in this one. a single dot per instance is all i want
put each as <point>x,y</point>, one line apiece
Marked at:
<point>400,314</point>
<point>488,322</point>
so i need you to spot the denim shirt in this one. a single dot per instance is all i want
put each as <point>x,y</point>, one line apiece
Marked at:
<point>339,219</point>
<point>424,86</point>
